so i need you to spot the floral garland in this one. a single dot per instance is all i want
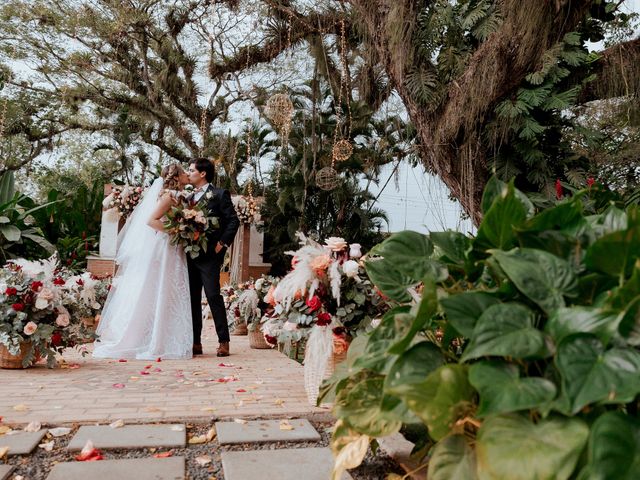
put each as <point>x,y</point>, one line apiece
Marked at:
<point>122,200</point>
<point>246,209</point>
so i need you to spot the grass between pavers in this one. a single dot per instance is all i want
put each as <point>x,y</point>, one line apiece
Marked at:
<point>38,464</point>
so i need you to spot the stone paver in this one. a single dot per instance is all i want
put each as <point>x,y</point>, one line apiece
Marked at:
<point>5,471</point>
<point>298,430</point>
<point>140,469</point>
<point>258,383</point>
<point>22,443</point>
<point>131,436</point>
<point>284,464</point>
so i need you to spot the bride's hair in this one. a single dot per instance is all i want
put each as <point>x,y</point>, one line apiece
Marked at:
<point>171,175</point>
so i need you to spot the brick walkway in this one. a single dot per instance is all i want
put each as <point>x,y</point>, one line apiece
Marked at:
<point>263,383</point>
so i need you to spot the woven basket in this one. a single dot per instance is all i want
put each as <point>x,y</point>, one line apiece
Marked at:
<point>257,341</point>
<point>240,330</point>
<point>13,361</point>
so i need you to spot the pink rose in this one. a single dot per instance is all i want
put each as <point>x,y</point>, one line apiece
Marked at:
<point>30,328</point>
<point>314,303</point>
<point>63,319</point>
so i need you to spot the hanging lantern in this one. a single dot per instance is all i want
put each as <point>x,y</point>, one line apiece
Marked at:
<point>279,110</point>
<point>327,178</point>
<point>342,150</point>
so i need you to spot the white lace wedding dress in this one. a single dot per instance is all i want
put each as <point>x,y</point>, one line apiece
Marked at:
<point>147,314</point>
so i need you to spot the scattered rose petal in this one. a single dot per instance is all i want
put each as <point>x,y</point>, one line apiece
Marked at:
<point>240,421</point>
<point>208,409</point>
<point>73,366</point>
<point>164,454</point>
<point>278,401</point>
<point>157,369</point>
<point>197,439</point>
<point>89,453</point>
<point>226,365</point>
<point>122,360</point>
<point>33,427</point>
<point>60,431</point>
<point>117,424</point>
<point>118,385</point>
<point>20,408</point>
<point>159,359</point>
<point>241,390</point>
<point>285,425</point>
<point>47,446</point>
<point>203,460</point>
<point>144,372</point>
<point>147,367</point>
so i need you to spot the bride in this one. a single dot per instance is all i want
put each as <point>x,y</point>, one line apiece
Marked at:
<point>147,314</point>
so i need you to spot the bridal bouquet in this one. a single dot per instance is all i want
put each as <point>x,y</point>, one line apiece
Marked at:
<point>122,200</point>
<point>187,224</point>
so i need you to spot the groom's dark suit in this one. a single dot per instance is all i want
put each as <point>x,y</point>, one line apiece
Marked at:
<point>204,270</point>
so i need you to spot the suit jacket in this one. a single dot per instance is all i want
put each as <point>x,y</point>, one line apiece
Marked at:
<point>219,204</point>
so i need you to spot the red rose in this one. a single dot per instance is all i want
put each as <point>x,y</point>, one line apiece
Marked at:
<point>324,318</point>
<point>36,286</point>
<point>271,340</point>
<point>56,339</point>
<point>58,281</point>
<point>18,307</point>
<point>80,282</point>
<point>10,291</point>
<point>314,303</point>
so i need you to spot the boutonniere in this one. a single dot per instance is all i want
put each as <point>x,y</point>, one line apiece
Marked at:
<point>209,195</point>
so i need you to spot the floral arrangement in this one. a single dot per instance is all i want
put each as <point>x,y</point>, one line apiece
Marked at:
<point>122,200</point>
<point>245,303</point>
<point>47,307</point>
<point>246,209</point>
<point>187,224</point>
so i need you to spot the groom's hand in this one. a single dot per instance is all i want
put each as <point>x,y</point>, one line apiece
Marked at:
<point>219,247</point>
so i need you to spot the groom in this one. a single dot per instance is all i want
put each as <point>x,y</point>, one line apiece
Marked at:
<point>204,270</point>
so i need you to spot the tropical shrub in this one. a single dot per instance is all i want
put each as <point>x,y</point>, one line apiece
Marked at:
<point>515,352</point>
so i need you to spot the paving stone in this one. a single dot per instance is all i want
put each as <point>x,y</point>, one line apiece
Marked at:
<point>283,464</point>
<point>5,471</point>
<point>265,431</point>
<point>139,469</point>
<point>130,436</point>
<point>22,443</point>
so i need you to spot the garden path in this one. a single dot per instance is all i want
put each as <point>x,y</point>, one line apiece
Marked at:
<point>249,383</point>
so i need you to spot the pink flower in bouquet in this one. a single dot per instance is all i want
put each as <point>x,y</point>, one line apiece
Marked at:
<point>30,328</point>
<point>320,264</point>
<point>268,298</point>
<point>63,318</point>
<point>45,296</point>
<point>314,303</point>
<point>336,244</point>
<point>323,319</point>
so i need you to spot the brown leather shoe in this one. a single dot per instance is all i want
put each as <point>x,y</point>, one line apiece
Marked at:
<point>223,350</point>
<point>197,349</point>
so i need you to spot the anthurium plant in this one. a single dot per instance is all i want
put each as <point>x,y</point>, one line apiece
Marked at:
<point>515,351</point>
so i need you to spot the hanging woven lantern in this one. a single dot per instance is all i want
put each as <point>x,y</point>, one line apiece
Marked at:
<point>342,150</point>
<point>327,178</point>
<point>279,109</point>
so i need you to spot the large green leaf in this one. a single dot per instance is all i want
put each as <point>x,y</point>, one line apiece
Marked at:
<point>413,367</point>
<point>361,401</point>
<point>375,356</point>
<point>541,276</point>
<point>615,253</point>
<point>464,309</point>
<point>566,321</point>
<point>630,324</point>
<point>404,261</point>
<point>512,447</point>
<point>492,190</point>
<point>442,399</point>
<point>7,187</point>
<point>612,220</point>
<point>506,329</point>
<point>558,217</point>
<point>39,240</point>
<point>497,229</point>
<point>424,312</point>
<point>454,245</point>
<point>10,232</point>
<point>503,391</point>
<point>614,448</point>
<point>453,459</point>
<point>592,375</point>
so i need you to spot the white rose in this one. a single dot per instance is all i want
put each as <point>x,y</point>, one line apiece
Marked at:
<point>354,250</point>
<point>350,268</point>
<point>259,283</point>
<point>44,297</point>
<point>336,244</point>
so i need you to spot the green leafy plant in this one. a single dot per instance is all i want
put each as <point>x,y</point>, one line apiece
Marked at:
<point>516,349</point>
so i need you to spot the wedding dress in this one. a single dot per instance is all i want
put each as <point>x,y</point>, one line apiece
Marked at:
<point>147,314</point>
